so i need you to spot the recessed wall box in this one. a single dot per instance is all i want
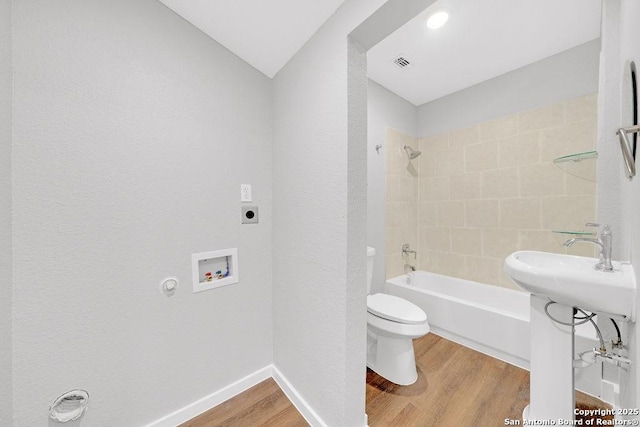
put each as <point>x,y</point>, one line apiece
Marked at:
<point>249,214</point>
<point>214,269</point>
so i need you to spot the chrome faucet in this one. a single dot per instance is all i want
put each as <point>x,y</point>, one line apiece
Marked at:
<point>604,242</point>
<point>409,268</point>
<point>406,250</point>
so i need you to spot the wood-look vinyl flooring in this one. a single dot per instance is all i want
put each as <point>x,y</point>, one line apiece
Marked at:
<point>262,405</point>
<point>456,387</point>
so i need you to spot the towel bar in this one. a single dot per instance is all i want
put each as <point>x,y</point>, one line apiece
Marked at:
<point>627,150</point>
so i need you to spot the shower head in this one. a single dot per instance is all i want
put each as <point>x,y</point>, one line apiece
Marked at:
<point>411,152</point>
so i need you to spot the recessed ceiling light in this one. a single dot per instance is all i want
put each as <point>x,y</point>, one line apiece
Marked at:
<point>437,20</point>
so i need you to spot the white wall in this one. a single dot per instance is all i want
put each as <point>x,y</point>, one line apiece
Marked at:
<point>567,75</point>
<point>5,212</point>
<point>311,227</point>
<point>385,109</point>
<point>132,134</point>
<point>630,50</point>
<point>619,198</point>
<point>319,231</point>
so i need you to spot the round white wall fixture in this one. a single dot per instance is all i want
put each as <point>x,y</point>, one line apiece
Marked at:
<point>70,406</point>
<point>169,286</point>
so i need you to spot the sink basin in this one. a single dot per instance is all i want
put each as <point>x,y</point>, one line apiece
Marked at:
<point>573,281</point>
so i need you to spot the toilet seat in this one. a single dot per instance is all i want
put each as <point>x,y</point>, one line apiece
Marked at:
<point>395,309</point>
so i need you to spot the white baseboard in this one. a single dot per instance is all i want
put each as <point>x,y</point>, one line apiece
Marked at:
<point>301,405</point>
<point>196,408</point>
<point>484,349</point>
<point>202,405</point>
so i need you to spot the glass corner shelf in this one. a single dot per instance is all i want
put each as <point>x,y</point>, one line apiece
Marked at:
<point>574,232</point>
<point>577,157</point>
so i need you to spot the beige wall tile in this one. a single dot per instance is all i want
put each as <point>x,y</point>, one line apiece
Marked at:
<point>464,187</point>
<point>426,259</point>
<point>408,187</point>
<point>435,239</point>
<point>393,240</point>
<point>466,136</point>
<point>483,269</point>
<point>426,164</point>
<point>427,214</point>
<point>544,179</point>
<point>579,186</point>
<point>395,155</point>
<point>413,218</point>
<point>540,240</point>
<point>567,139</point>
<point>467,241</point>
<point>396,237</point>
<point>481,213</point>
<point>522,149</point>
<point>578,109</point>
<point>499,243</point>
<point>481,157</point>
<point>520,213</point>
<point>450,213</point>
<point>568,212</point>
<point>436,142</point>
<point>476,195</point>
<point>435,188</point>
<point>450,264</point>
<point>580,177</point>
<point>395,215</point>
<point>450,161</point>
<point>499,183</point>
<point>392,136</point>
<point>500,128</point>
<point>393,185</point>
<point>540,118</point>
<point>413,168</point>
<point>393,266</point>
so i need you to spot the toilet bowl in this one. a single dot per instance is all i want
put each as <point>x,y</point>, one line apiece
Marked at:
<point>392,324</point>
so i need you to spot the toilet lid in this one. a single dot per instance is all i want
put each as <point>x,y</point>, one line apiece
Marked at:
<point>396,309</point>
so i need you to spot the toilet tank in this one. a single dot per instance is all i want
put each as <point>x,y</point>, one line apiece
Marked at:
<point>371,254</point>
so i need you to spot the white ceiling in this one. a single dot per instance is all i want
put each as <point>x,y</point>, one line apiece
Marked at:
<point>482,39</point>
<point>264,33</point>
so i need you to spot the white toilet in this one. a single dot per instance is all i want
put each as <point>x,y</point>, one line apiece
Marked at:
<point>392,324</point>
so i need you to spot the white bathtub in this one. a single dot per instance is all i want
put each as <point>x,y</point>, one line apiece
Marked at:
<point>492,320</point>
<point>489,319</point>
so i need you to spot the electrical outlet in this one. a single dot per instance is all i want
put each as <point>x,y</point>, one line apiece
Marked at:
<point>245,192</point>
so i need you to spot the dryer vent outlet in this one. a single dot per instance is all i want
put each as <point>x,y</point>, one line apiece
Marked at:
<point>249,214</point>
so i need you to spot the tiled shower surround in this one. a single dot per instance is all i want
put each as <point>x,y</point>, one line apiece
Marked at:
<point>477,194</point>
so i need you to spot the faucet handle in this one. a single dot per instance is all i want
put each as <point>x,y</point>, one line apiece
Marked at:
<point>406,250</point>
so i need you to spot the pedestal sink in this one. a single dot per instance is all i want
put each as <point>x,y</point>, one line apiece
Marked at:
<point>573,281</point>
<point>570,281</point>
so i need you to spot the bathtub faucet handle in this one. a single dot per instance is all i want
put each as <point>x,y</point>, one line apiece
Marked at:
<point>406,250</point>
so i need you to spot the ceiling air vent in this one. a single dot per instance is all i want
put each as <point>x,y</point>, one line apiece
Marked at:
<point>402,62</point>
